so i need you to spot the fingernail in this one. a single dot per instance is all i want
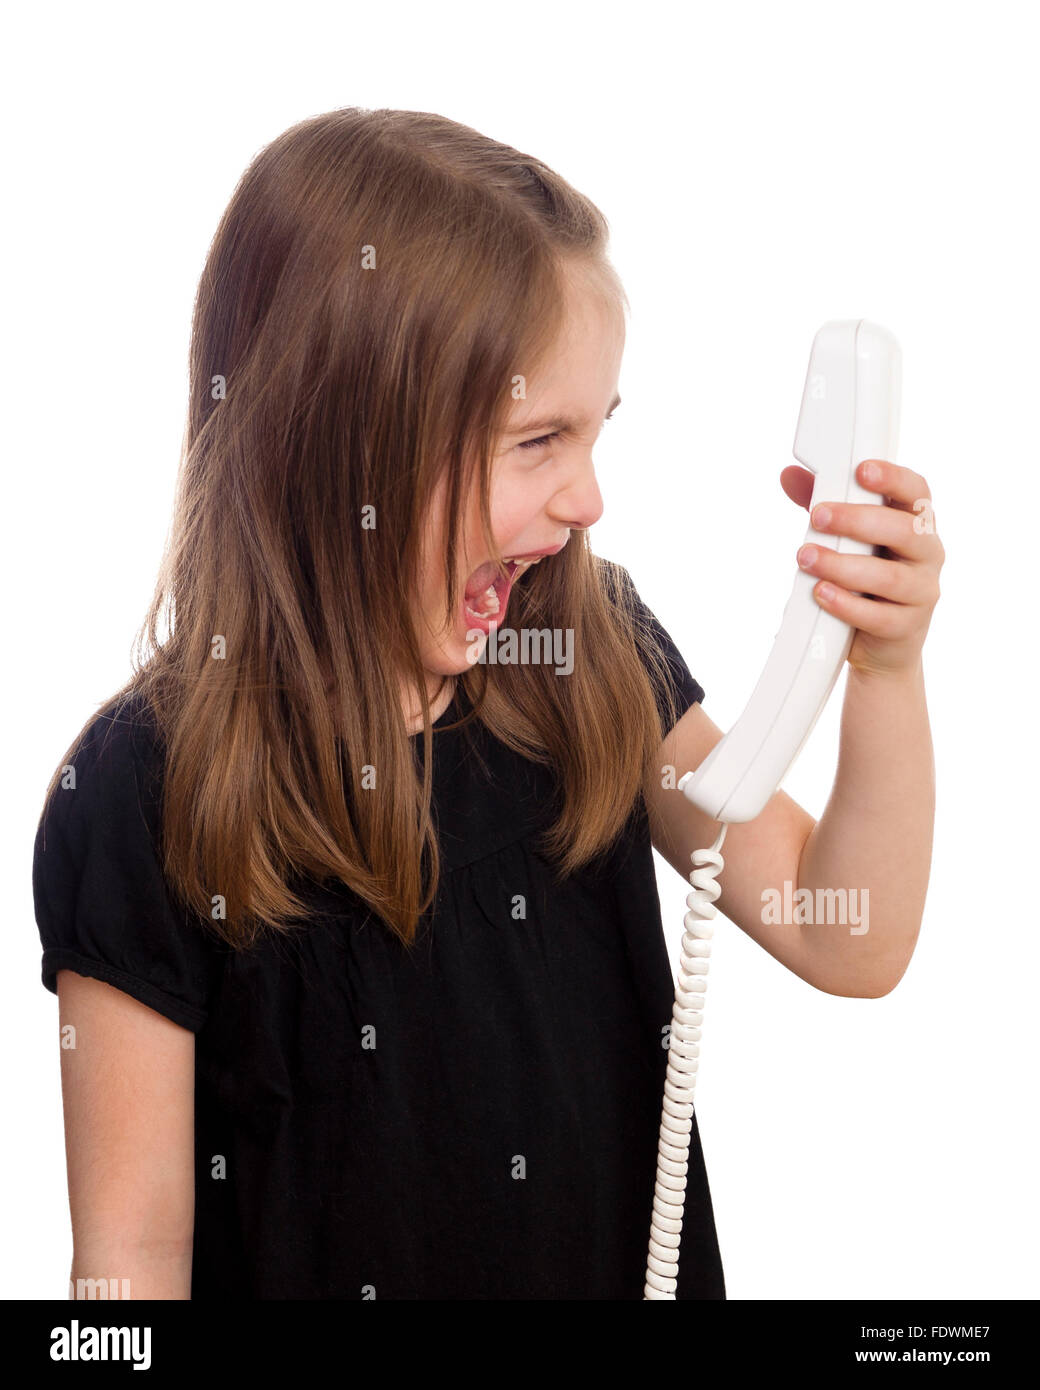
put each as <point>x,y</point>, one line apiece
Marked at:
<point>821,516</point>
<point>870,472</point>
<point>807,556</point>
<point>826,592</point>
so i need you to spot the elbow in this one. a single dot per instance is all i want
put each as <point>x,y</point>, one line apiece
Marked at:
<point>873,984</point>
<point>872,990</point>
<point>873,975</point>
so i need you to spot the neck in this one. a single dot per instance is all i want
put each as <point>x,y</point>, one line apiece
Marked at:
<point>439,691</point>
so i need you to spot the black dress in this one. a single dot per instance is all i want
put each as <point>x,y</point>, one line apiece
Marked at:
<point>477,1119</point>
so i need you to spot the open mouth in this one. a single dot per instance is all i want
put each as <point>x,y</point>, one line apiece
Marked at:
<point>487,590</point>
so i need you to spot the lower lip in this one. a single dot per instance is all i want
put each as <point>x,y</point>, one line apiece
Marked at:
<point>503,588</point>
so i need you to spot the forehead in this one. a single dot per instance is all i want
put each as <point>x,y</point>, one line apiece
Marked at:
<point>593,301</point>
<point>571,388</point>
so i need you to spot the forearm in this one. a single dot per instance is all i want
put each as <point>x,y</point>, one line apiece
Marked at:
<point>101,1270</point>
<point>875,835</point>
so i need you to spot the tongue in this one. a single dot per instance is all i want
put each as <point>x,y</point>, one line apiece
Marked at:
<point>481,580</point>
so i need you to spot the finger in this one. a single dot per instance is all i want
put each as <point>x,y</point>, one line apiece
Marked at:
<point>893,580</point>
<point>883,526</point>
<point>906,490</point>
<point>890,621</point>
<point>798,484</point>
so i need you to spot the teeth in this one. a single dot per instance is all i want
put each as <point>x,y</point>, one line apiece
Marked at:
<point>491,604</point>
<point>490,595</point>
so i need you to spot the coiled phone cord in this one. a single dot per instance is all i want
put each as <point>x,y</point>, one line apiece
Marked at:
<point>673,1147</point>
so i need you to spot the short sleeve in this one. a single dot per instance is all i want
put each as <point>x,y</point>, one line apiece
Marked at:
<point>673,678</point>
<point>103,907</point>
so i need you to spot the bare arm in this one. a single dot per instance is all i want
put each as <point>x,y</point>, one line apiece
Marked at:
<point>874,838</point>
<point>128,1087</point>
<point>759,854</point>
<point>875,835</point>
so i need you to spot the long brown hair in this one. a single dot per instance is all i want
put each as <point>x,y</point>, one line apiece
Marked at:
<point>370,291</point>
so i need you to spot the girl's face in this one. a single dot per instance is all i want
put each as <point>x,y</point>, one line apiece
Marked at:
<point>543,485</point>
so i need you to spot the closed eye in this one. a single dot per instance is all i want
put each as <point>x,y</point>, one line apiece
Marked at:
<point>537,443</point>
<point>544,439</point>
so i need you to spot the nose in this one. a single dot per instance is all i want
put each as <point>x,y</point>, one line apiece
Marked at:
<point>579,505</point>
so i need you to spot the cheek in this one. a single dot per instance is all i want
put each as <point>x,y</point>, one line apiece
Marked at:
<point>516,503</point>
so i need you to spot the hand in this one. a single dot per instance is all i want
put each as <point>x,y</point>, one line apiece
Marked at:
<point>889,597</point>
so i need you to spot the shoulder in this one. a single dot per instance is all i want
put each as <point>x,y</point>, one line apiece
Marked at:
<point>111,770</point>
<point>104,907</point>
<point>674,685</point>
<point>615,580</point>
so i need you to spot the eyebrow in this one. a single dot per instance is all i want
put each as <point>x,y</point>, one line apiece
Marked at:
<point>563,423</point>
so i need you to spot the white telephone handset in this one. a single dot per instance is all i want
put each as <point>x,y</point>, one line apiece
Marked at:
<point>850,412</point>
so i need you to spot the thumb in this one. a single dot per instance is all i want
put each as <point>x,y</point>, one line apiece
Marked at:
<point>798,484</point>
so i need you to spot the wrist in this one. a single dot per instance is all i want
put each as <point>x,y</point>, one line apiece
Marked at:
<point>902,676</point>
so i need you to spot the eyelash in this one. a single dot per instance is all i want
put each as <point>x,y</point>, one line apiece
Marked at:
<point>536,443</point>
<point>548,438</point>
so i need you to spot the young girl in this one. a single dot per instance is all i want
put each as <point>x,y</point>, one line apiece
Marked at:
<point>352,905</point>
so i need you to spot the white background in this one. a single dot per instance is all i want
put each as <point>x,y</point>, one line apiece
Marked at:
<point>764,168</point>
